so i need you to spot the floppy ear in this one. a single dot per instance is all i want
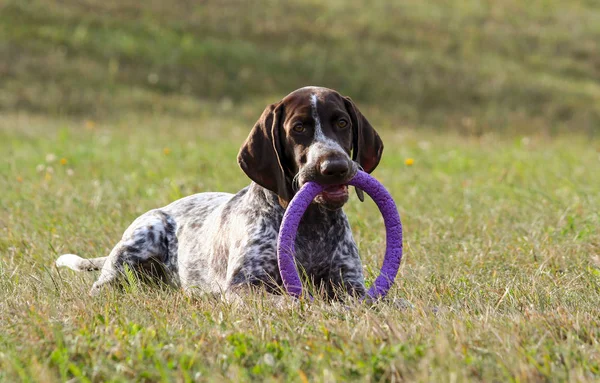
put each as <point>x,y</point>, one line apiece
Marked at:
<point>367,147</point>
<point>261,155</point>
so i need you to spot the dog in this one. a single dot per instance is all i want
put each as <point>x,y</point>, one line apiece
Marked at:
<point>225,243</point>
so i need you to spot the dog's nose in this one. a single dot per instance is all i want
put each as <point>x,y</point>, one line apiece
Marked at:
<point>334,168</point>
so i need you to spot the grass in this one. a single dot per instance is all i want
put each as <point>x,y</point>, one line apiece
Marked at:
<point>111,108</point>
<point>502,261</point>
<point>466,65</point>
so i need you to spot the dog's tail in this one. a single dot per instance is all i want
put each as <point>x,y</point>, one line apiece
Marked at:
<point>77,263</point>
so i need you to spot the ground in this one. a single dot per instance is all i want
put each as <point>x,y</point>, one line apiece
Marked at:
<point>490,114</point>
<point>501,261</point>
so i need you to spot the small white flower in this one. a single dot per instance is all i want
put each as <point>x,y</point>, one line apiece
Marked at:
<point>50,157</point>
<point>269,359</point>
<point>424,145</point>
<point>153,78</point>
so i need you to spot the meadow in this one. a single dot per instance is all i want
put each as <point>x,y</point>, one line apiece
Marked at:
<point>489,112</point>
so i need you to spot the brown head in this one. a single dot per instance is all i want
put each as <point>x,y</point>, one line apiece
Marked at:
<point>313,134</point>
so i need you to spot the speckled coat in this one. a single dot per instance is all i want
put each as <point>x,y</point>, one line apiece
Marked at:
<point>220,242</point>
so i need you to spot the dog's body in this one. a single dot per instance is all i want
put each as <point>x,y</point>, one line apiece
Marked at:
<point>217,242</point>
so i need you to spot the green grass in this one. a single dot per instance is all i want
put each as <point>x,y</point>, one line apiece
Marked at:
<point>467,65</point>
<point>497,102</point>
<point>501,263</point>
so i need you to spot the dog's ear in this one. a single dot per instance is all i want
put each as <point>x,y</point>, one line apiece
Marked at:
<point>261,156</point>
<point>367,147</point>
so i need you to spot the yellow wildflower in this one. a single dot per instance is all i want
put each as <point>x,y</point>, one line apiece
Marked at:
<point>166,151</point>
<point>409,161</point>
<point>303,377</point>
<point>63,161</point>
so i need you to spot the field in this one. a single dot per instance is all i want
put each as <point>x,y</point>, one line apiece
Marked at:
<point>109,109</point>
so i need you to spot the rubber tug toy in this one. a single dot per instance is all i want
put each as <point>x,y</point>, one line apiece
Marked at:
<point>295,211</point>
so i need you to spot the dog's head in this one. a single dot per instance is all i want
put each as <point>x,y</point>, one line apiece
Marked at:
<point>313,134</point>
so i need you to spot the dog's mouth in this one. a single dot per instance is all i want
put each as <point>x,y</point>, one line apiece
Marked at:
<point>334,196</point>
<point>335,193</point>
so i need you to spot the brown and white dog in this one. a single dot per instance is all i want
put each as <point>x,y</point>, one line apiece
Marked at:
<point>219,242</point>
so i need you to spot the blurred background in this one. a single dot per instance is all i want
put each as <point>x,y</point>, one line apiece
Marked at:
<point>471,66</point>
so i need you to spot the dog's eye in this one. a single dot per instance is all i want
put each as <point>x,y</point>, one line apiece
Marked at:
<point>342,123</point>
<point>298,127</point>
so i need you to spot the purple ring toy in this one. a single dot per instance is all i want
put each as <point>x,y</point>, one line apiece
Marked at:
<point>295,211</point>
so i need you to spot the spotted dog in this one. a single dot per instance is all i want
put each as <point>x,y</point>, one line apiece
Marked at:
<point>221,242</point>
